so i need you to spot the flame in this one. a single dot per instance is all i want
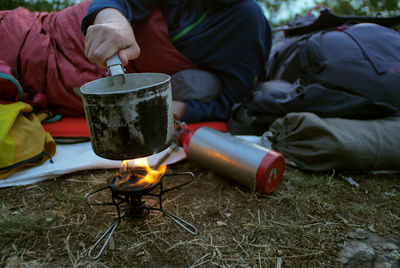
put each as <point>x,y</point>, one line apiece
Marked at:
<point>125,165</point>
<point>151,176</point>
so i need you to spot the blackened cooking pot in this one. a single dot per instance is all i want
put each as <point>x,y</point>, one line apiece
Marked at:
<point>129,115</point>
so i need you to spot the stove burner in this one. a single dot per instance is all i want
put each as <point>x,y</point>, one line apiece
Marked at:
<point>133,182</point>
<point>130,192</point>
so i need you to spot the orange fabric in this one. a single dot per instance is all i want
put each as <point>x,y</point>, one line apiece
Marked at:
<point>76,127</point>
<point>68,127</point>
<point>221,126</point>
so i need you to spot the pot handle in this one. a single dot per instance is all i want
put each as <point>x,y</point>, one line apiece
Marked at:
<point>114,65</point>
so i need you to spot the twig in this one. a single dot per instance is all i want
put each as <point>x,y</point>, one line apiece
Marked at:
<point>172,200</point>
<point>278,262</point>
<point>59,226</point>
<point>342,219</point>
<point>197,262</point>
<point>239,245</point>
<point>304,255</point>
<point>243,194</point>
<point>394,216</point>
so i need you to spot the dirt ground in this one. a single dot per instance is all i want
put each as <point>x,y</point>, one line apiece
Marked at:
<point>304,223</point>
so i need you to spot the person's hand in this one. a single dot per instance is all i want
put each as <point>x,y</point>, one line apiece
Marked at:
<point>110,33</point>
<point>179,108</point>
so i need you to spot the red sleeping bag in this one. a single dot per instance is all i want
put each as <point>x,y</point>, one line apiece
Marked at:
<point>45,53</point>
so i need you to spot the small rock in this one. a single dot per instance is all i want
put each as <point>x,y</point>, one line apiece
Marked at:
<point>371,228</point>
<point>141,253</point>
<point>13,262</point>
<point>366,249</point>
<point>356,252</point>
<point>359,234</point>
<point>228,215</point>
<point>390,246</point>
<point>392,193</point>
<point>61,212</point>
<point>221,223</point>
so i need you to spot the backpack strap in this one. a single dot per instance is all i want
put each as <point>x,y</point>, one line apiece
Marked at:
<point>327,19</point>
<point>16,83</point>
<point>242,122</point>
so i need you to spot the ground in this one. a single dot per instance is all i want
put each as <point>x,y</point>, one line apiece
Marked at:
<point>304,223</point>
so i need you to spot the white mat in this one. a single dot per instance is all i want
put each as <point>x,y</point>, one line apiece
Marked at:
<point>75,157</point>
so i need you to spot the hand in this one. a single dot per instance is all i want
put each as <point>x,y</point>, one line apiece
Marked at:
<point>179,108</point>
<point>110,33</point>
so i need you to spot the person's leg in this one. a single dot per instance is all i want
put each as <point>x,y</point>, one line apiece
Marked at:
<point>195,84</point>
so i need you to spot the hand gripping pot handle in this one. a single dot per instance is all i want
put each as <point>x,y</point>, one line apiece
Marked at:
<point>128,115</point>
<point>253,166</point>
<point>114,66</point>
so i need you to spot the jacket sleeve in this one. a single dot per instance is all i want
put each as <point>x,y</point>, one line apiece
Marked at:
<point>131,9</point>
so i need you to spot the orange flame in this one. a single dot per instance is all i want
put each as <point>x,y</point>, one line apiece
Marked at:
<point>125,165</point>
<point>151,176</point>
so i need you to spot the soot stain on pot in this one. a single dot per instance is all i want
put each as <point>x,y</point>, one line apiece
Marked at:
<point>127,144</point>
<point>154,122</point>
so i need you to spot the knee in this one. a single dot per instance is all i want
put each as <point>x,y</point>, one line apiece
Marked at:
<point>195,84</point>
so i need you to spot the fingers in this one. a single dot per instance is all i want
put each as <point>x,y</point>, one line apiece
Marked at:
<point>99,45</point>
<point>104,40</point>
<point>129,53</point>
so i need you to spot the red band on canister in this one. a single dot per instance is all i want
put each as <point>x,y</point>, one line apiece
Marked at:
<point>184,139</point>
<point>270,172</point>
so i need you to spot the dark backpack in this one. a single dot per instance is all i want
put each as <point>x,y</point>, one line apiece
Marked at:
<point>347,67</point>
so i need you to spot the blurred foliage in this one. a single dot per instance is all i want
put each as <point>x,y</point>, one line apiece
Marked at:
<point>36,5</point>
<point>278,12</point>
<point>364,7</point>
<point>282,11</point>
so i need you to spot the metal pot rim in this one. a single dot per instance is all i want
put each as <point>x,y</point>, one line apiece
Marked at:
<point>90,85</point>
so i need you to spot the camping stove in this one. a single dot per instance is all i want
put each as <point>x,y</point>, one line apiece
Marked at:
<point>128,187</point>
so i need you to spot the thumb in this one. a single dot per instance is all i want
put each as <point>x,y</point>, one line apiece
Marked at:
<point>129,53</point>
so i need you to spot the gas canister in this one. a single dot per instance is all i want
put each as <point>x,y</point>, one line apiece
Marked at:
<point>253,166</point>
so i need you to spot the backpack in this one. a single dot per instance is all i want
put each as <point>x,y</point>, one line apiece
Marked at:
<point>347,67</point>
<point>23,140</point>
<point>313,143</point>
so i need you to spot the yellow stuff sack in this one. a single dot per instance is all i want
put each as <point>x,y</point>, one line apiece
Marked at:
<point>23,140</point>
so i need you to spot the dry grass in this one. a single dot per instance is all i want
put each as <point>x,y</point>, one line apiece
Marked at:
<point>302,224</point>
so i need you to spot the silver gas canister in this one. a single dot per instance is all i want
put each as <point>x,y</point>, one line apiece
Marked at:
<point>253,166</point>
